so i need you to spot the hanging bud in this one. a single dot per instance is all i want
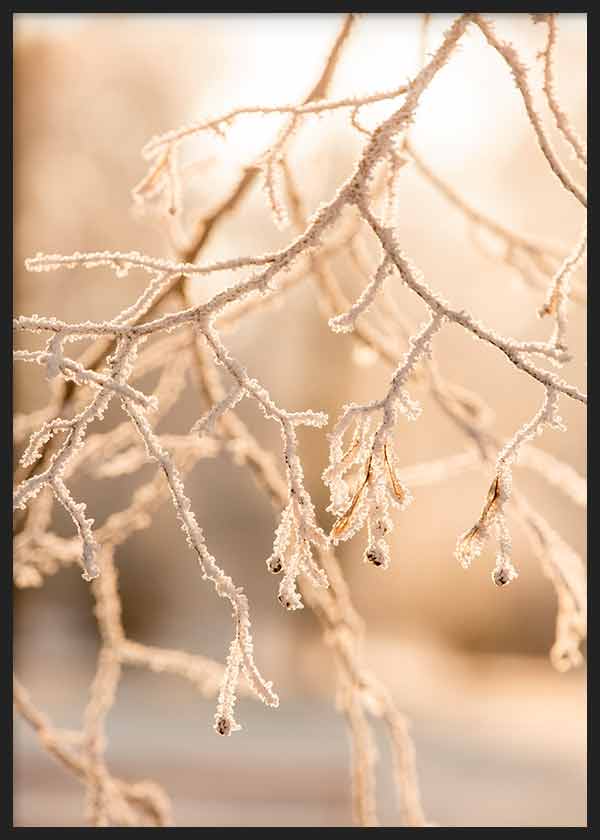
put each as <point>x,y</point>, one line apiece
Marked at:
<point>274,564</point>
<point>223,726</point>
<point>503,574</point>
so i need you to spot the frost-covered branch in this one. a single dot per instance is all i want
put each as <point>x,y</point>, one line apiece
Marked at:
<point>519,74</point>
<point>562,120</point>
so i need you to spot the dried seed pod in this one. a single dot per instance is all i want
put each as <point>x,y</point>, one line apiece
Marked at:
<point>469,545</point>
<point>399,491</point>
<point>492,495</point>
<point>342,523</point>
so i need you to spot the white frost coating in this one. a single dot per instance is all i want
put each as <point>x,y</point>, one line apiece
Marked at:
<point>206,425</point>
<point>345,322</point>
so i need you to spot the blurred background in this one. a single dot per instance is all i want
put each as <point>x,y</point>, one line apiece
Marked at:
<point>500,735</point>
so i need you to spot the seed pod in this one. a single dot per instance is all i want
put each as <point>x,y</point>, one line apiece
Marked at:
<point>399,491</point>
<point>341,524</point>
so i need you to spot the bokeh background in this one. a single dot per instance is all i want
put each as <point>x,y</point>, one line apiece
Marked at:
<point>500,736</point>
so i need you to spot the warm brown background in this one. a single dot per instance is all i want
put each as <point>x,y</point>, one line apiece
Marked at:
<point>500,736</point>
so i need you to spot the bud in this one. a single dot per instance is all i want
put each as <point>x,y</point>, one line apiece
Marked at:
<point>374,555</point>
<point>223,726</point>
<point>288,603</point>
<point>503,575</point>
<point>274,564</point>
